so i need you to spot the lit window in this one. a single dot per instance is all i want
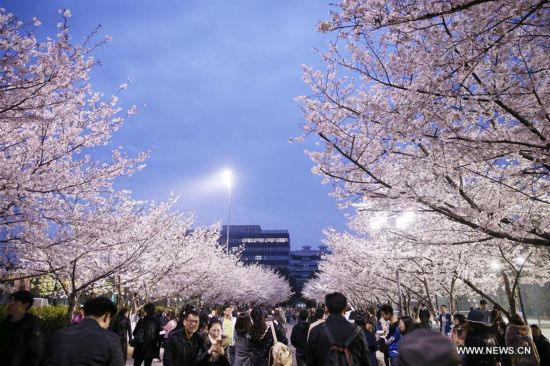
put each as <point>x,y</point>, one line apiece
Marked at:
<point>257,257</point>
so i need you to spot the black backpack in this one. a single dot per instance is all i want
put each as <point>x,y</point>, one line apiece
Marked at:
<point>339,354</point>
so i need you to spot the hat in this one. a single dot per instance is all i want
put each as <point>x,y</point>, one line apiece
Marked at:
<point>476,316</point>
<point>424,347</point>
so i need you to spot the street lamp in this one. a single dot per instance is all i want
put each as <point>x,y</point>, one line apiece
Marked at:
<point>228,179</point>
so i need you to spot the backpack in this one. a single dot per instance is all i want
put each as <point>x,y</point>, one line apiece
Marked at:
<point>279,354</point>
<point>339,354</point>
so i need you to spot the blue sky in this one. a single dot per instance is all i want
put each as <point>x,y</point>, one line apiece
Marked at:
<point>215,82</point>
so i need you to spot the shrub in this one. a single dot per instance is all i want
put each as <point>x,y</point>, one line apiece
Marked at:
<point>51,318</point>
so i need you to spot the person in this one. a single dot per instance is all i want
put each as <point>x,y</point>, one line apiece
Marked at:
<point>298,337</point>
<point>89,342</point>
<point>499,328</point>
<point>185,346</point>
<point>229,329</point>
<point>78,315</point>
<point>479,335</point>
<point>518,334</point>
<point>393,337</point>
<point>242,340</point>
<point>289,316</point>
<point>336,330</point>
<point>261,337</point>
<point>146,337</point>
<point>457,333</point>
<point>424,316</point>
<point>425,347</point>
<point>444,321</point>
<point>370,337</point>
<point>217,346</point>
<point>542,344</point>
<point>170,326</point>
<point>485,311</point>
<point>123,329</point>
<point>371,318</point>
<point>317,318</point>
<point>21,338</point>
<point>406,324</point>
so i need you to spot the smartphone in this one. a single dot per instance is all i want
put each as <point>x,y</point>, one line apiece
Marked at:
<point>219,342</point>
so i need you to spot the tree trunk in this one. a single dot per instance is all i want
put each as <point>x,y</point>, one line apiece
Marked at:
<point>510,294</point>
<point>73,307</point>
<point>452,305</point>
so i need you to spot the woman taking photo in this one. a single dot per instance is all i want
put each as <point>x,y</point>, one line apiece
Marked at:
<point>217,350</point>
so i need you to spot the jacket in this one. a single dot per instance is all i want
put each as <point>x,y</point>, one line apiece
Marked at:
<point>448,323</point>
<point>181,351</point>
<point>85,343</point>
<point>393,338</point>
<point>149,328</point>
<point>122,328</point>
<point>298,337</point>
<point>543,348</point>
<point>318,344</point>
<point>242,350</point>
<point>21,342</point>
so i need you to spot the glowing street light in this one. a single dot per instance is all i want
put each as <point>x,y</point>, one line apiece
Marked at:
<point>496,266</point>
<point>404,220</point>
<point>378,222</point>
<point>227,178</point>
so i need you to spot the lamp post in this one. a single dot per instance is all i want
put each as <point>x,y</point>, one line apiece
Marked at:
<point>227,178</point>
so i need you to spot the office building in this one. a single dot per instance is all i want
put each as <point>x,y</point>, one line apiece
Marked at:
<point>304,263</point>
<point>266,247</point>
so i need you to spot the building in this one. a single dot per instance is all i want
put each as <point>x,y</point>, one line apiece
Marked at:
<point>267,247</point>
<point>304,263</point>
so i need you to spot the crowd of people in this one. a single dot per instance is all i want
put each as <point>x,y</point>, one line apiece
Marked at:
<point>100,334</point>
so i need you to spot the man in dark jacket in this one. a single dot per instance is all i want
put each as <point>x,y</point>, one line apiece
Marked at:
<point>185,347</point>
<point>298,337</point>
<point>21,340</point>
<point>88,342</point>
<point>319,345</point>
<point>146,337</point>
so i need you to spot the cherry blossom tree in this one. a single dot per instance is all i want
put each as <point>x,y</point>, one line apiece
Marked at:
<point>51,120</point>
<point>364,261</point>
<point>438,106</point>
<point>59,213</point>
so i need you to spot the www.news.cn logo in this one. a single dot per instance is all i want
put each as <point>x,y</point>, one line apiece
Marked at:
<point>494,350</point>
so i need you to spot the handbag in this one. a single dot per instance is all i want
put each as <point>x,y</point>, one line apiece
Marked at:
<point>280,354</point>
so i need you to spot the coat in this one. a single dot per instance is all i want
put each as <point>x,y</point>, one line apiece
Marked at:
<point>149,327</point>
<point>318,344</point>
<point>181,351</point>
<point>21,342</point>
<point>298,338</point>
<point>242,350</point>
<point>543,348</point>
<point>260,348</point>
<point>447,324</point>
<point>123,329</point>
<point>85,343</point>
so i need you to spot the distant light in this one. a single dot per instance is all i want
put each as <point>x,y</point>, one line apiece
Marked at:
<point>496,266</point>
<point>227,178</point>
<point>404,220</point>
<point>378,222</point>
<point>520,260</point>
